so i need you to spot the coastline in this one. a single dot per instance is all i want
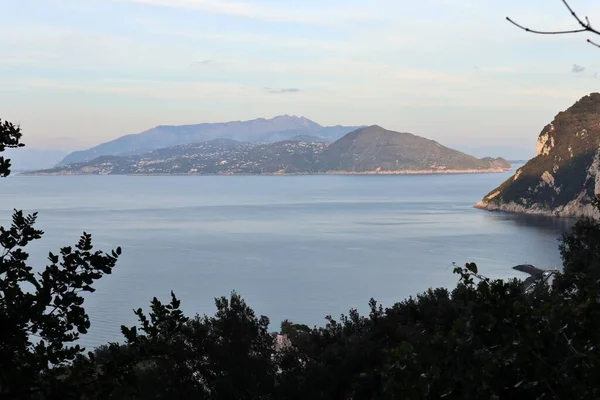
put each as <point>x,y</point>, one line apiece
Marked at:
<point>572,210</point>
<point>421,172</point>
<point>399,172</point>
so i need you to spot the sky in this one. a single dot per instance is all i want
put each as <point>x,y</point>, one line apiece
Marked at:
<point>76,73</point>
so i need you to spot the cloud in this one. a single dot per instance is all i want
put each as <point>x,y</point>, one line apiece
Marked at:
<point>583,72</point>
<point>196,64</point>
<point>282,91</point>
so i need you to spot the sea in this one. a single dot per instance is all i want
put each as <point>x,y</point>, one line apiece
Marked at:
<point>294,247</point>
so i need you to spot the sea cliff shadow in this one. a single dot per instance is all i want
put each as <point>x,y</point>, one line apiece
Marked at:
<point>537,223</point>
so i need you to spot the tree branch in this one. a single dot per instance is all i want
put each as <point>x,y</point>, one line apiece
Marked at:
<point>593,43</point>
<point>586,26</point>
<point>544,32</point>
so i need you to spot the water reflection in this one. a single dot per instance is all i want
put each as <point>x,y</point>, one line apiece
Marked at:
<point>535,223</point>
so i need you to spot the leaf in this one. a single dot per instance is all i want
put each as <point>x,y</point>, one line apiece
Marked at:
<point>88,288</point>
<point>53,258</point>
<point>472,267</point>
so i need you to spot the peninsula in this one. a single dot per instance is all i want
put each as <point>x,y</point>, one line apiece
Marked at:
<point>564,177</point>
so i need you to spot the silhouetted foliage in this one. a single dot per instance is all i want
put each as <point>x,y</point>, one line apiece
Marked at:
<point>292,330</point>
<point>41,311</point>
<point>10,136</point>
<point>580,251</point>
<point>168,356</point>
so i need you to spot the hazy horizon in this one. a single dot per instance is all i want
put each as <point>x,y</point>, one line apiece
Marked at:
<point>34,158</point>
<point>76,74</point>
<point>476,149</point>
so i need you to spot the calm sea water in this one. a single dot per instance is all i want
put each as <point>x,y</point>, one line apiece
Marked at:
<point>297,247</point>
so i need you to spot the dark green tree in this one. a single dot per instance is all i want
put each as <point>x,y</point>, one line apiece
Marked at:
<point>10,136</point>
<point>227,356</point>
<point>580,251</point>
<point>485,339</point>
<point>41,312</point>
<point>292,330</point>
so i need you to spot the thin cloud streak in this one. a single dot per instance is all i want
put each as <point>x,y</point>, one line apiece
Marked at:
<point>282,91</point>
<point>202,63</point>
<point>271,13</point>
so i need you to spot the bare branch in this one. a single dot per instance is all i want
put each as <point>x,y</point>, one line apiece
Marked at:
<point>593,43</point>
<point>586,26</point>
<point>544,32</point>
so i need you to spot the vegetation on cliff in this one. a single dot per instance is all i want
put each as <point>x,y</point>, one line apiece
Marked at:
<point>564,177</point>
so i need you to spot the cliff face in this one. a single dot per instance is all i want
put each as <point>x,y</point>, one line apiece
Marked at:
<point>564,176</point>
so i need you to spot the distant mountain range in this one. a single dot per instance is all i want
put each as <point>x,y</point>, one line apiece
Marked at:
<point>261,130</point>
<point>365,150</point>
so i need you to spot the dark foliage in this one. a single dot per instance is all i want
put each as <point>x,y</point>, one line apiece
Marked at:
<point>10,136</point>
<point>169,356</point>
<point>41,311</point>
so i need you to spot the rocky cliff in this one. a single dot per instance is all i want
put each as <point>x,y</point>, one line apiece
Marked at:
<point>564,176</point>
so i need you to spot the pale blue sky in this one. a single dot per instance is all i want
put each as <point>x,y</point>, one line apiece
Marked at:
<point>75,73</point>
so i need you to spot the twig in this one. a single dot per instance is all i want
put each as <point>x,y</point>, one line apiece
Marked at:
<point>544,32</point>
<point>586,26</point>
<point>593,43</point>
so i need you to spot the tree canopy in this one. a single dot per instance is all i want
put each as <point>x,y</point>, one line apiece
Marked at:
<point>41,310</point>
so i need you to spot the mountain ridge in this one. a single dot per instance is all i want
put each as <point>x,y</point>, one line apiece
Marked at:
<point>363,151</point>
<point>275,129</point>
<point>373,147</point>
